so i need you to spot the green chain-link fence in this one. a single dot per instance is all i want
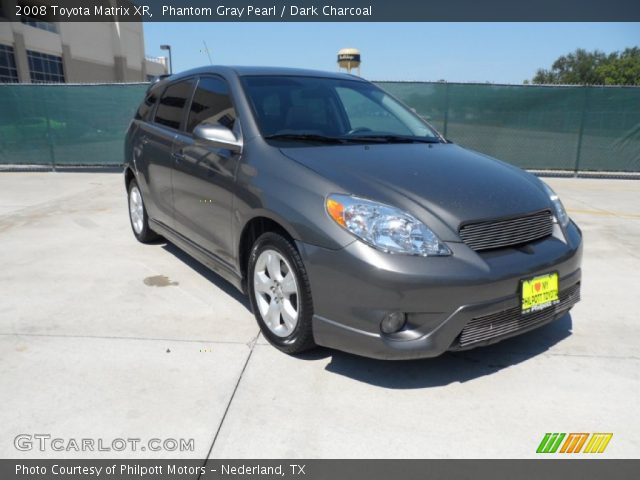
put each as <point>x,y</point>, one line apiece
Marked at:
<point>536,127</point>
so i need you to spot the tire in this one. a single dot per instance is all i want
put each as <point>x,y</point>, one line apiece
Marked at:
<point>274,301</point>
<point>138,217</point>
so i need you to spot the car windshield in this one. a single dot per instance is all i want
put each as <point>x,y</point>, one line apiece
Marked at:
<point>312,109</point>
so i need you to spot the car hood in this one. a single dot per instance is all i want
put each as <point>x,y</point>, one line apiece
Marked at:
<point>446,181</point>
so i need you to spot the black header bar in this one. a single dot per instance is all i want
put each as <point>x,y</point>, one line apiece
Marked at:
<point>322,10</point>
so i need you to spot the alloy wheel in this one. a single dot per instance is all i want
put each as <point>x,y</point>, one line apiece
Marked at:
<point>136,210</point>
<point>276,292</point>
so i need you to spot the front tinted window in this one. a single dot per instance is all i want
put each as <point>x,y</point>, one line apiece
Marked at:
<point>365,113</point>
<point>211,104</point>
<point>330,107</point>
<point>170,111</point>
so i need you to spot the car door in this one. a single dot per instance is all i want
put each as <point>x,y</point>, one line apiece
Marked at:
<point>204,174</point>
<point>157,140</point>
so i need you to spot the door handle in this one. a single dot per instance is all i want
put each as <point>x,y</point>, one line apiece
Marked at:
<point>178,157</point>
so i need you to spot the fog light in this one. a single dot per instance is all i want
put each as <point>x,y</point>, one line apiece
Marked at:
<point>393,322</point>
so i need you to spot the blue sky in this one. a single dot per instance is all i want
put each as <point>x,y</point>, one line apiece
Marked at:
<point>456,52</point>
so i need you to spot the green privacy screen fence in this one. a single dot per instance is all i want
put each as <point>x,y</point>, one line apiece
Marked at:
<point>535,127</point>
<point>66,124</point>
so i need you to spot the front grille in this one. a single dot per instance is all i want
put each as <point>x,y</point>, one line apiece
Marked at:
<point>504,233</point>
<point>505,323</point>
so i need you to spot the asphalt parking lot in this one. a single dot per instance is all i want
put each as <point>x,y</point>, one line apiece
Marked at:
<point>102,337</point>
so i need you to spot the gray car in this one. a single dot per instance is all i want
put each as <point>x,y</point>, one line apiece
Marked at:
<point>346,218</point>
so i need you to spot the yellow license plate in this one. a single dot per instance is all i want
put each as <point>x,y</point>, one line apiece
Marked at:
<point>539,292</point>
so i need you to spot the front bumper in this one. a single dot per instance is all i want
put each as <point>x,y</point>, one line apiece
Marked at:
<point>354,288</point>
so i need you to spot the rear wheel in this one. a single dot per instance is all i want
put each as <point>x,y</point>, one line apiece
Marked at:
<point>138,215</point>
<point>280,294</point>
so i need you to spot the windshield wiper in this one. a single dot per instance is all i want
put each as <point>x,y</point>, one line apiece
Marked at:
<point>305,137</point>
<point>395,139</point>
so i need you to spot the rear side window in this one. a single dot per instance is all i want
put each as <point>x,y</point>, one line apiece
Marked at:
<point>211,104</point>
<point>145,108</point>
<point>172,105</point>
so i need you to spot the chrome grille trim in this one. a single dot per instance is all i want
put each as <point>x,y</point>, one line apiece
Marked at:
<point>505,233</point>
<point>507,322</point>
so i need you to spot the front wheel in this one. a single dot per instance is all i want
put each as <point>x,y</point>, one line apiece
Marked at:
<point>280,294</point>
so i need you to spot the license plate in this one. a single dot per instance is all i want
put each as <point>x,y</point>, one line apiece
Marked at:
<point>539,292</point>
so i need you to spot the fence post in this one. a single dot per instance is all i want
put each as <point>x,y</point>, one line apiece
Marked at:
<point>52,154</point>
<point>446,110</point>
<point>585,103</point>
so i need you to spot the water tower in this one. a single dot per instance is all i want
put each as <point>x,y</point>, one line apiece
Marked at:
<point>349,58</point>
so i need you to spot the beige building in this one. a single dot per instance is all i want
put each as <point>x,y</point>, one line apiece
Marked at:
<point>32,50</point>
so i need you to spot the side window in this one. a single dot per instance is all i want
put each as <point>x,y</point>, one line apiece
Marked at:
<point>211,104</point>
<point>145,108</point>
<point>172,104</point>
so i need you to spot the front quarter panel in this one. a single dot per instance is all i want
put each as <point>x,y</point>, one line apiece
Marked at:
<point>271,185</point>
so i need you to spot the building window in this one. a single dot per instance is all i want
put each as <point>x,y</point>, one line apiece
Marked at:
<point>34,22</point>
<point>8,70</point>
<point>45,68</point>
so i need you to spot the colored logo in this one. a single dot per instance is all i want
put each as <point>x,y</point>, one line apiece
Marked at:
<point>574,443</point>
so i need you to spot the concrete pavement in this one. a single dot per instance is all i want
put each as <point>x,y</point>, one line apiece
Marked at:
<point>103,338</point>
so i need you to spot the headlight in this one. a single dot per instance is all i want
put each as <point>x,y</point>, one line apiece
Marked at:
<point>561,213</point>
<point>383,227</point>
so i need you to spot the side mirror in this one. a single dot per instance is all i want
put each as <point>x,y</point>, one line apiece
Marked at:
<point>218,135</point>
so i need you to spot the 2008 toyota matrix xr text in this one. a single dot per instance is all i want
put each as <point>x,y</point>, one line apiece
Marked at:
<point>345,217</point>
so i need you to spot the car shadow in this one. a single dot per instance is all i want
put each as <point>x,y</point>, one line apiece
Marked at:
<point>207,273</point>
<point>450,367</point>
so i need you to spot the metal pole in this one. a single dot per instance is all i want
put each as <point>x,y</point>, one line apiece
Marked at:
<point>585,103</point>
<point>446,110</point>
<point>52,154</point>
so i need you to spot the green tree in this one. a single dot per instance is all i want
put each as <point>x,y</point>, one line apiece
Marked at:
<point>621,68</point>
<point>593,68</point>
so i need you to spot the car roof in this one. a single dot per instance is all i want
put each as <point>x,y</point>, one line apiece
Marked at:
<point>243,71</point>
